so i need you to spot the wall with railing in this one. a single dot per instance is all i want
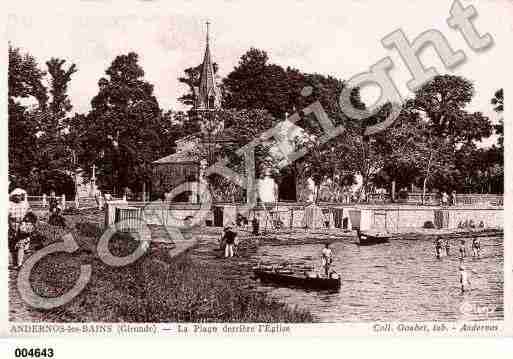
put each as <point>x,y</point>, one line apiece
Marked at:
<point>480,199</point>
<point>434,199</point>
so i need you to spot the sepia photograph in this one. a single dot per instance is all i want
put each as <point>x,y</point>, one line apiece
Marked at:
<point>284,164</point>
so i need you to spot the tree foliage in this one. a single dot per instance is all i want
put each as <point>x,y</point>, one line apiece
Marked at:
<point>435,137</point>
<point>125,130</point>
<point>498,103</point>
<point>25,85</point>
<point>38,144</point>
<point>442,103</point>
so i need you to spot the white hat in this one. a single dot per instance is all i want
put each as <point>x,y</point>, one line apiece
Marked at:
<point>18,191</point>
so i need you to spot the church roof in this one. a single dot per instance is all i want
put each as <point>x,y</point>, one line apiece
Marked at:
<point>225,136</point>
<point>178,157</point>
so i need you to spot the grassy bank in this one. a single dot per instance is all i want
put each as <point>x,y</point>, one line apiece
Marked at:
<point>153,289</point>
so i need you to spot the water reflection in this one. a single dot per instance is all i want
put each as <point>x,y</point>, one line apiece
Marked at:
<point>397,281</point>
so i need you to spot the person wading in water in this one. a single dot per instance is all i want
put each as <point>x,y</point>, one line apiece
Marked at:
<point>438,247</point>
<point>476,247</point>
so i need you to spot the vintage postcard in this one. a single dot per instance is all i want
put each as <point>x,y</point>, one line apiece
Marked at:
<point>238,168</point>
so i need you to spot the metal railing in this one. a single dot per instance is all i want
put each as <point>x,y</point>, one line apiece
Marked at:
<point>44,201</point>
<point>480,199</point>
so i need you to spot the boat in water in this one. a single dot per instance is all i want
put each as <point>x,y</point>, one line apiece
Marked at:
<point>368,239</point>
<point>289,278</point>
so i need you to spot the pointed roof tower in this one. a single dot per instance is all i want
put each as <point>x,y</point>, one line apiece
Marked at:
<point>208,96</point>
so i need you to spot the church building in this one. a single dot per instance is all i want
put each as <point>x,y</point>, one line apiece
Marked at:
<point>180,167</point>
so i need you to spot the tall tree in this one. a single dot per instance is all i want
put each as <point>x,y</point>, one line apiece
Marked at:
<point>364,154</point>
<point>60,104</point>
<point>126,125</point>
<point>25,78</point>
<point>25,86</point>
<point>256,84</point>
<point>56,151</point>
<point>442,103</point>
<point>416,146</point>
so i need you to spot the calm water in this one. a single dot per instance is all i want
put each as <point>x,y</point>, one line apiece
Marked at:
<point>397,281</point>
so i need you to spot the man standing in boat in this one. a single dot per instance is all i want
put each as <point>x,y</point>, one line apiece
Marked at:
<point>327,258</point>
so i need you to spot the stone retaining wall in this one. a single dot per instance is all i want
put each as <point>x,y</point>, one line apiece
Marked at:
<point>379,218</point>
<point>492,218</point>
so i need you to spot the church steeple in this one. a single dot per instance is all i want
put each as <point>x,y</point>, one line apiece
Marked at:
<point>208,96</point>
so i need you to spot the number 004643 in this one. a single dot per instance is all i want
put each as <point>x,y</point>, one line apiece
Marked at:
<point>33,353</point>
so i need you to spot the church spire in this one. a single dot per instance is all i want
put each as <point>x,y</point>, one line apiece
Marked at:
<point>208,28</point>
<point>208,95</point>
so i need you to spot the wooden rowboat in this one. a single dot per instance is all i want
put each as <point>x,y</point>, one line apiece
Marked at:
<point>367,239</point>
<point>290,279</point>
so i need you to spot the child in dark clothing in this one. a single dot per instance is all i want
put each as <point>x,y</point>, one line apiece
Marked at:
<point>56,218</point>
<point>229,238</point>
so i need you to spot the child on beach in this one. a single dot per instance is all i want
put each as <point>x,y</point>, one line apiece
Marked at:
<point>464,280</point>
<point>230,242</point>
<point>476,247</point>
<point>463,250</point>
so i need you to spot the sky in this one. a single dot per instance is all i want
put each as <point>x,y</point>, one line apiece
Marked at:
<point>339,38</point>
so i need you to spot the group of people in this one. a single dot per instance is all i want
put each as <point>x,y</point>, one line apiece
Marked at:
<point>441,245</point>
<point>22,221</point>
<point>446,201</point>
<point>463,275</point>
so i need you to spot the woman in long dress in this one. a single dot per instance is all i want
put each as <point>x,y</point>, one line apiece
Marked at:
<point>18,209</point>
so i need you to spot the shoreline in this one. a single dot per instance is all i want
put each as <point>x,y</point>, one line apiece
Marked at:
<point>321,236</point>
<point>193,286</point>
